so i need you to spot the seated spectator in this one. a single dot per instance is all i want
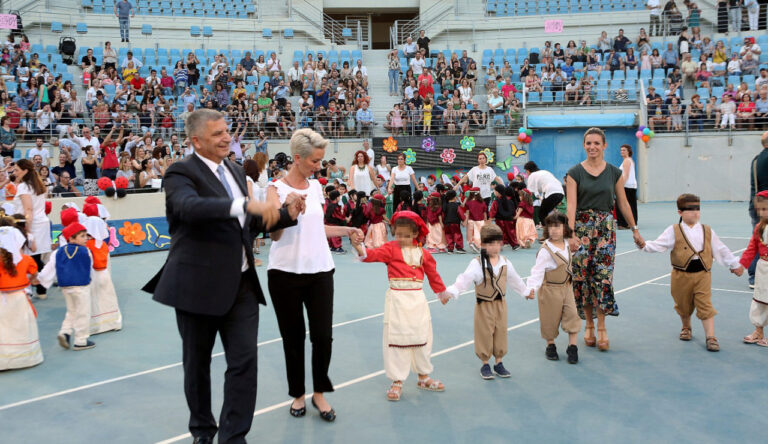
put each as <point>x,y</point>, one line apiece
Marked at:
<point>675,110</point>
<point>585,86</point>
<point>129,72</point>
<point>745,113</point>
<point>702,77</point>
<point>395,120</point>
<point>147,174</point>
<point>750,47</point>
<point>130,60</point>
<point>361,69</point>
<point>614,61</point>
<point>364,119</point>
<point>571,91</point>
<point>295,78</point>
<point>749,65</point>
<point>727,112</point>
<point>761,108</point>
<point>696,112</point>
<point>620,42</point>
<point>508,88</point>
<point>65,187</point>
<point>688,69</point>
<point>734,65</point>
<point>670,58</point>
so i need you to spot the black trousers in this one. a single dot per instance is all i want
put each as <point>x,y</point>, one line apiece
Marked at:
<point>632,200</point>
<point>290,294</point>
<point>548,204</point>
<point>39,289</point>
<point>238,329</point>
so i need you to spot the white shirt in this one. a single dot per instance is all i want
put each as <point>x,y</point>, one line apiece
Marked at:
<point>631,179</point>
<point>655,7</point>
<point>362,179</point>
<point>361,69</point>
<point>303,248</point>
<point>273,65</point>
<point>383,172</point>
<point>410,48</point>
<point>544,184</point>
<point>695,235</point>
<point>754,49</point>
<point>136,63</point>
<point>417,65</point>
<point>84,142</point>
<point>402,177</point>
<point>482,178</point>
<point>544,263</point>
<point>371,156</point>
<point>473,276</point>
<point>294,74</point>
<point>42,152</point>
<point>236,210</point>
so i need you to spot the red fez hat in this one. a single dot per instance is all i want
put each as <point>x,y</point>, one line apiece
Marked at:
<point>68,216</point>
<point>92,200</point>
<point>90,209</point>
<point>72,229</point>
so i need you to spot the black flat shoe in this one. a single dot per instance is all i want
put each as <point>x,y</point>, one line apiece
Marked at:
<point>298,413</point>
<point>551,352</point>
<point>329,416</point>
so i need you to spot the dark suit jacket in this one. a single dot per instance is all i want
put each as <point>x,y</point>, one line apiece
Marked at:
<point>203,269</point>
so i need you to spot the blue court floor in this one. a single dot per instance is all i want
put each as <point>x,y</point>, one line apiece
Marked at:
<point>650,387</point>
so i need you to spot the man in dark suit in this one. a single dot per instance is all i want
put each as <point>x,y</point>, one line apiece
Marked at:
<point>209,275</point>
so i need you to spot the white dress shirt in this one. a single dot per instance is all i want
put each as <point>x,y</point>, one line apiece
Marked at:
<point>545,262</point>
<point>236,210</point>
<point>544,184</point>
<point>473,276</point>
<point>695,235</point>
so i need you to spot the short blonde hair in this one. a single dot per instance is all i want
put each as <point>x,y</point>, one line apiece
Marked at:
<point>305,140</point>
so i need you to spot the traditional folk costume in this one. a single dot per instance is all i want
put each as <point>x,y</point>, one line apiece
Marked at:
<point>71,266</point>
<point>357,217</point>
<point>407,338</point>
<point>436,236</point>
<point>19,340</point>
<point>334,216</point>
<point>105,311</point>
<point>525,228</point>
<point>377,230</point>
<point>490,322</point>
<point>758,246</point>
<point>552,277</point>
<point>452,228</point>
<point>503,212</point>
<point>475,221</point>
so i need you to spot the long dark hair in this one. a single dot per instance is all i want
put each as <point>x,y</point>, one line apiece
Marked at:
<point>32,179</point>
<point>7,261</point>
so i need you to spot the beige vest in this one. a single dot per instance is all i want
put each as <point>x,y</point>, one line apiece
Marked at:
<point>682,253</point>
<point>560,275</point>
<point>490,288</point>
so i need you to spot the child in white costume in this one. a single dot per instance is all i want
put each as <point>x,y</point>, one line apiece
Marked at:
<point>105,312</point>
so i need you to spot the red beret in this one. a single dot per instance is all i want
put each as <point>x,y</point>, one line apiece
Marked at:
<point>323,181</point>
<point>474,189</point>
<point>456,178</point>
<point>92,200</point>
<point>48,207</point>
<point>90,209</point>
<point>423,230</point>
<point>378,196</point>
<point>72,229</point>
<point>510,176</point>
<point>435,194</point>
<point>763,193</point>
<point>432,176</point>
<point>380,177</point>
<point>68,216</point>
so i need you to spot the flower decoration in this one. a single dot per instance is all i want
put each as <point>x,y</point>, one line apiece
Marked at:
<point>448,155</point>
<point>488,154</point>
<point>467,143</point>
<point>410,156</point>
<point>121,183</point>
<point>390,145</point>
<point>132,233</point>
<point>428,144</point>
<point>104,183</point>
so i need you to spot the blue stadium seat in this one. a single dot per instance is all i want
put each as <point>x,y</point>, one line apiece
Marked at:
<point>288,33</point>
<point>146,29</point>
<point>194,31</point>
<point>207,31</point>
<point>534,97</point>
<point>546,97</point>
<point>87,3</point>
<point>346,32</point>
<point>266,33</point>
<point>57,27</point>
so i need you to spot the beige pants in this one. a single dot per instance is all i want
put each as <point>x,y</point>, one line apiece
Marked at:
<point>78,317</point>
<point>105,313</point>
<point>693,291</point>
<point>398,361</point>
<point>473,231</point>
<point>436,236</point>
<point>491,329</point>
<point>557,308</point>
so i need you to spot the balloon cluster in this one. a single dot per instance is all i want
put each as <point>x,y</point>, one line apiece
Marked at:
<point>524,135</point>
<point>644,134</point>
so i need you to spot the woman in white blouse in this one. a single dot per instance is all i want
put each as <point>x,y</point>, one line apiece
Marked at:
<point>361,176</point>
<point>30,201</point>
<point>466,91</point>
<point>630,185</point>
<point>383,168</point>
<point>400,180</point>
<point>300,274</point>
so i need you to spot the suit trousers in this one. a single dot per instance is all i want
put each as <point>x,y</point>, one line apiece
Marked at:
<point>290,294</point>
<point>238,329</point>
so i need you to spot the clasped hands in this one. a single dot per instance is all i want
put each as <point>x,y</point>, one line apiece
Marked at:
<point>269,210</point>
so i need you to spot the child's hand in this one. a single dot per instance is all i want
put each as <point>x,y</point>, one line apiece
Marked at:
<point>531,295</point>
<point>738,271</point>
<point>445,297</point>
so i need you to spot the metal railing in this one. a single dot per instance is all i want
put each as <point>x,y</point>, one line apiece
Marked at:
<point>402,29</point>
<point>333,29</point>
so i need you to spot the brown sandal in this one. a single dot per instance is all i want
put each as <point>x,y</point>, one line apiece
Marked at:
<point>591,340</point>
<point>712,344</point>
<point>604,344</point>
<point>685,334</point>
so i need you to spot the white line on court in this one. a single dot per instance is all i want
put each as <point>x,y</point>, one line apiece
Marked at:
<point>381,372</point>
<point>714,289</point>
<point>178,364</point>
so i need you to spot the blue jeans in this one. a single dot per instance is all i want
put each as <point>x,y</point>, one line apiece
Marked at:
<point>124,27</point>
<point>394,80</point>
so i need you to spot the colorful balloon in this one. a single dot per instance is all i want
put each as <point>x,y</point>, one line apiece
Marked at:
<point>646,131</point>
<point>529,132</point>
<point>639,134</point>
<point>646,139</point>
<point>528,139</point>
<point>642,127</point>
<point>521,130</point>
<point>651,134</point>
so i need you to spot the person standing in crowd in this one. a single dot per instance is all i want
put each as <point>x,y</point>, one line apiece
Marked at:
<point>124,11</point>
<point>630,186</point>
<point>400,180</point>
<point>300,274</point>
<point>423,42</point>
<point>482,176</point>
<point>209,276</point>
<point>592,188</point>
<point>758,181</point>
<point>362,176</point>
<point>545,186</point>
<point>655,8</point>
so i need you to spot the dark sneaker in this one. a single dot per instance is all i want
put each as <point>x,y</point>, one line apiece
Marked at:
<point>573,354</point>
<point>485,372</point>
<point>751,282</point>
<point>552,353</point>
<point>501,371</point>
<point>88,345</point>
<point>64,340</point>
<point>461,251</point>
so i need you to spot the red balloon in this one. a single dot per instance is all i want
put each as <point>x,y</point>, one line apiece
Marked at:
<point>528,139</point>
<point>104,183</point>
<point>121,183</point>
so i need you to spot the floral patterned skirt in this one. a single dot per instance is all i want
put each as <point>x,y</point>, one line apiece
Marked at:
<point>593,262</point>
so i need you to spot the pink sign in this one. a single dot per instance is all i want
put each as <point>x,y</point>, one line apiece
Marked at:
<point>7,21</point>
<point>553,26</point>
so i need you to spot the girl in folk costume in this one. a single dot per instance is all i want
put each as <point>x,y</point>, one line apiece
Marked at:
<point>758,246</point>
<point>71,266</point>
<point>418,206</point>
<point>551,276</point>
<point>436,238</point>
<point>377,231</point>
<point>525,227</point>
<point>452,221</point>
<point>334,215</point>
<point>492,276</point>
<point>477,215</point>
<point>105,311</point>
<point>19,340</point>
<point>503,212</point>
<point>356,215</point>
<point>407,337</point>
<point>405,202</point>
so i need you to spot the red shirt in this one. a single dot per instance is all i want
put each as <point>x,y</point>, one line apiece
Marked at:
<point>505,90</point>
<point>433,216</point>
<point>138,82</point>
<point>755,247</point>
<point>374,216</point>
<point>494,209</point>
<point>391,254</point>
<point>166,82</point>
<point>527,209</point>
<point>110,156</point>
<point>476,210</point>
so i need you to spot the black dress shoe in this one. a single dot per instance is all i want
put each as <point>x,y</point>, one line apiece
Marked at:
<point>298,413</point>
<point>202,440</point>
<point>329,416</point>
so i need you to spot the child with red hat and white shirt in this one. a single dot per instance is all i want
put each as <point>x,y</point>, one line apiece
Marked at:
<point>436,237</point>
<point>407,338</point>
<point>105,311</point>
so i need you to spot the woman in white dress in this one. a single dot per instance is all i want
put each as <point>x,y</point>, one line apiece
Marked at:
<point>630,185</point>
<point>361,176</point>
<point>30,201</point>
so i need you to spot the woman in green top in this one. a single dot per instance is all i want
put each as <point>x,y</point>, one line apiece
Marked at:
<point>334,171</point>
<point>591,187</point>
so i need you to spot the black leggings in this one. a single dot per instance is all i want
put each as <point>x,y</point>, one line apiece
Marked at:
<point>290,293</point>
<point>39,289</point>
<point>632,200</point>
<point>548,204</point>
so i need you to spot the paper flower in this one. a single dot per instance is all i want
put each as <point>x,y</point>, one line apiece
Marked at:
<point>428,144</point>
<point>448,155</point>
<point>467,143</point>
<point>390,145</point>
<point>410,156</point>
<point>132,233</point>
<point>488,154</point>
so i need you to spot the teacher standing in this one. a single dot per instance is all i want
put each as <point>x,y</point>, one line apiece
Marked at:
<point>627,169</point>
<point>30,201</point>
<point>300,275</point>
<point>209,275</point>
<point>362,176</point>
<point>400,181</point>
<point>592,188</point>
<point>482,176</point>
